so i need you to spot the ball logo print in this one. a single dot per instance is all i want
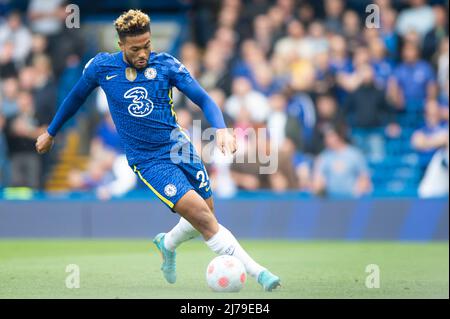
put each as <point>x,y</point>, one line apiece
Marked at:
<point>141,105</point>
<point>226,274</point>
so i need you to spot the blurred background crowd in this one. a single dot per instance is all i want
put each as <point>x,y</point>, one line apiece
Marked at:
<point>353,104</point>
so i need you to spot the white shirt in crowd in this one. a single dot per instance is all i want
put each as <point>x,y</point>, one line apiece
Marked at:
<point>45,25</point>
<point>254,102</point>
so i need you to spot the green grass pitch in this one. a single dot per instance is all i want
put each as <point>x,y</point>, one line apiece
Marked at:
<point>130,269</point>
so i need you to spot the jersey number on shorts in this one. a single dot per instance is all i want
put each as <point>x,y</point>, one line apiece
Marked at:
<point>203,177</point>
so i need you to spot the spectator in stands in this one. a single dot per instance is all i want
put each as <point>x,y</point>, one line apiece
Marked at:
<point>419,17</point>
<point>439,32</point>
<point>27,78</point>
<point>108,171</point>
<point>352,30</point>
<point>65,45</point>
<point>443,64</point>
<point>413,81</point>
<point>5,7</point>
<point>251,57</point>
<point>285,136</point>
<point>292,46</point>
<point>283,126</point>
<point>300,106</point>
<point>349,81</point>
<point>47,16</point>
<point>388,33</point>
<point>246,173</point>
<point>21,133</point>
<point>316,41</point>
<point>45,97</point>
<point>39,46</point>
<point>215,73</point>
<point>435,180</point>
<point>244,97</point>
<point>340,63</point>
<point>44,90</point>
<point>428,139</point>
<point>15,32</point>
<point>324,77</point>
<point>7,66</point>
<point>228,17</point>
<point>340,170</point>
<point>9,92</point>
<point>265,82</point>
<point>69,51</point>
<point>288,9</point>
<point>219,171</point>
<point>334,10</point>
<point>191,58</point>
<point>255,8</point>
<point>306,13</point>
<point>245,52</point>
<point>263,33</point>
<point>367,111</point>
<point>4,176</point>
<point>226,40</point>
<point>443,102</point>
<point>327,114</point>
<point>383,4</point>
<point>382,66</point>
<point>278,22</point>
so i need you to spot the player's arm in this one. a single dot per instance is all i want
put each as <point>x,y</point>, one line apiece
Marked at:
<point>71,104</point>
<point>225,140</point>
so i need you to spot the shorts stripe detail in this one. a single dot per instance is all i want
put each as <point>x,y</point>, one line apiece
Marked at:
<point>184,132</point>
<point>165,200</point>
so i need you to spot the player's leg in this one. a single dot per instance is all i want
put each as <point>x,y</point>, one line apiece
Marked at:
<point>198,208</point>
<point>195,172</point>
<point>219,239</point>
<point>169,184</point>
<point>210,202</point>
<point>184,231</point>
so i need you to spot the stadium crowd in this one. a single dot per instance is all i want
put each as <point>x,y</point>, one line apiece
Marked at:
<point>329,85</point>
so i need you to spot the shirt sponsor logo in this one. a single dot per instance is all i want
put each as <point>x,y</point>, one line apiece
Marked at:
<point>141,105</point>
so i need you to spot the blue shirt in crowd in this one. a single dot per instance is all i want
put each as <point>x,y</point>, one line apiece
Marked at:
<point>341,170</point>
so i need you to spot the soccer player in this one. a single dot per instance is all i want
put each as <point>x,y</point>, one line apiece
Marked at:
<point>138,84</point>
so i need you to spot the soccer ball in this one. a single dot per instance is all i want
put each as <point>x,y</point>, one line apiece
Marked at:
<point>226,274</point>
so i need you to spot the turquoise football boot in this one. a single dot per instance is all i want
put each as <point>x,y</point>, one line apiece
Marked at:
<point>268,280</point>
<point>168,266</point>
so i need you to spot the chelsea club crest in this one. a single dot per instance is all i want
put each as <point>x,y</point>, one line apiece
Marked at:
<point>170,190</point>
<point>150,73</point>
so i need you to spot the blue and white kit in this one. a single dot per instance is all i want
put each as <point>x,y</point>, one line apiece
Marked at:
<point>142,108</point>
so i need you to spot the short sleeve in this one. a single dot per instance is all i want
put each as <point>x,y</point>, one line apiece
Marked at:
<point>177,72</point>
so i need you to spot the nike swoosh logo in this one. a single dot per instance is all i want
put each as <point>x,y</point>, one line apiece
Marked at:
<point>207,189</point>
<point>109,77</point>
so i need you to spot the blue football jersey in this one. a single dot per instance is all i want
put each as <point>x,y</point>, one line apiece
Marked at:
<point>140,102</point>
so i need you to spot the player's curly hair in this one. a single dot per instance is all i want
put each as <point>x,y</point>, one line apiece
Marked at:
<point>132,23</point>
